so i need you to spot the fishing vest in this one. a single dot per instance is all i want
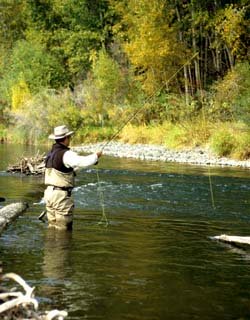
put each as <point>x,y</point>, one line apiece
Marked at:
<point>56,173</point>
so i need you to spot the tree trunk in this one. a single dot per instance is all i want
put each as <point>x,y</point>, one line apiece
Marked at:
<point>230,57</point>
<point>185,70</point>
<point>196,60</point>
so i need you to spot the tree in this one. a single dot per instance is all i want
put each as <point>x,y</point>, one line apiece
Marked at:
<point>150,41</point>
<point>32,65</point>
<point>70,30</point>
<point>105,87</point>
<point>229,26</point>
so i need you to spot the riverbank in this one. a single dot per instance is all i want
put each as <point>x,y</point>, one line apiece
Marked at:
<point>195,156</point>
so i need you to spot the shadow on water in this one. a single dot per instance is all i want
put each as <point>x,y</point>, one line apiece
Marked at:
<point>155,260</point>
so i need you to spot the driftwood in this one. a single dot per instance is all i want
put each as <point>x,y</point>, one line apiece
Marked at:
<point>10,212</point>
<point>243,242</point>
<point>29,166</point>
<point>17,305</point>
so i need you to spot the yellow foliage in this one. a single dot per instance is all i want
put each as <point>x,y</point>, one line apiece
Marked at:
<point>152,44</point>
<point>229,24</point>
<point>20,95</point>
<point>189,134</point>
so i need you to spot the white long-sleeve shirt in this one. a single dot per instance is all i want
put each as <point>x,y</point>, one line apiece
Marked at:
<point>72,160</point>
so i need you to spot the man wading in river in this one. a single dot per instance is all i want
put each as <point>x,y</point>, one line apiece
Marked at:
<point>60,166</point>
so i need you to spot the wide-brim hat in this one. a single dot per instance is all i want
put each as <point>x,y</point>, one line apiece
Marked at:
<point>60,133</point>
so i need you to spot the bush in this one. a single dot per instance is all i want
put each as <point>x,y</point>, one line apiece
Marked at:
<point>33,65</point>
<point>105,87</point>
<point>242,150</point>
<point>91,134</point>
<point>232,95</point>
<point>36,117</point>
<point>3,133</point>
<point>223,143</point>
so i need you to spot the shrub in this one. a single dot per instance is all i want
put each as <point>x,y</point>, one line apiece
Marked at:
<point>33,65</point>
<point>223,143</point>
<point>232,96</point>
<point>37,116</point>
<point>242,150</point>
<point>3,133</point>
<point>91,134</point>
<point>105,87</point>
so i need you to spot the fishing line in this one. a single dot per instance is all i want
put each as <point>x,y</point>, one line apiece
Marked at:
<point>123,125</point>
<point>104,219</point>
<point>131,117</point>
<point>209,169</point>
<point>209,173</point>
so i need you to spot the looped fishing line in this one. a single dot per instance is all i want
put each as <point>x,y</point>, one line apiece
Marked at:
<point>104,219</point>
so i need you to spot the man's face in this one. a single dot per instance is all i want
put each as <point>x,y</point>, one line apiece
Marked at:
<point>67,140</point>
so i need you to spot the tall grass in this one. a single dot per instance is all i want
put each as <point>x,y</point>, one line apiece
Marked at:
<point>186,134</point>
<point>224,139</point>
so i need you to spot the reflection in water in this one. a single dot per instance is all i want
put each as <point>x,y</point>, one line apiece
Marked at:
<point>56,259</point>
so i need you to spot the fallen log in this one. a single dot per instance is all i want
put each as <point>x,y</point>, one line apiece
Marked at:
<point>242,242</point>
<point>10,212</point>
<point>29,166</point>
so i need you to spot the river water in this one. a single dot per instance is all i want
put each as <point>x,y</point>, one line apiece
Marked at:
<point>154,260</point>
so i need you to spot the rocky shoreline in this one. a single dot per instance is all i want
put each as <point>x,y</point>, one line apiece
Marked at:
<point>195,156</point>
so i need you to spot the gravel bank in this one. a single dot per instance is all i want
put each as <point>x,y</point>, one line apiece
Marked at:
<point>196,156</point>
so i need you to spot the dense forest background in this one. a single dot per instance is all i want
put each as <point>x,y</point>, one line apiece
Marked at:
<point>91,64</point>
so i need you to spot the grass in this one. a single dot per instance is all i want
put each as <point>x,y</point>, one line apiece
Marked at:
<point>230,139</point>
<point>224,139</point>
<point>175,136</point>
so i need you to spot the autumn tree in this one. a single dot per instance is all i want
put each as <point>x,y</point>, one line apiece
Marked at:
<point>150,41</point>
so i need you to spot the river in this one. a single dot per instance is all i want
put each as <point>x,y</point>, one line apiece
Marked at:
<point>154,260</point>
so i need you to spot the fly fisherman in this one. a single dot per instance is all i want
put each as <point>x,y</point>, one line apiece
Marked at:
<point>60,166</point>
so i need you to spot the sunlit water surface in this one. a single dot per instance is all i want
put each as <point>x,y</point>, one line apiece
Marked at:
<point>154,260</point>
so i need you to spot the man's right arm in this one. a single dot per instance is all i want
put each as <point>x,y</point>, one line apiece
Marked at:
<point>72,160</point>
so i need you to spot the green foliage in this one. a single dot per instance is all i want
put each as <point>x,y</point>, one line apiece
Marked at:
<point>231,139</point>
<point>105,87</point>
<point>3,133</point>
<point>12,23</point>
<point>70,30</point>
<point>126,56</point>
<point>241,103</point>
<point>42,112</point>
<point>232,95</point>
<point>107,77</point>
<point>90,134</point>
<point>242,150</point>
<point>223,142</point>
<point>31,64</point>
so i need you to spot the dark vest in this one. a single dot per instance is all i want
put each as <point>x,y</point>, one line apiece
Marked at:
<point>55,158</point>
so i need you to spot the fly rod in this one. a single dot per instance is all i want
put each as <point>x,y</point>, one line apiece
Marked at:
<point>133,115</point>
<point>123,125</point>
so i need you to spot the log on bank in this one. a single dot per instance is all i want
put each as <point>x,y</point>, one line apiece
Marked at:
<point>10,212</point>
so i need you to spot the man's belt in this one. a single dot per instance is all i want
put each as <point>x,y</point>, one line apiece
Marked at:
<point>67,189</point>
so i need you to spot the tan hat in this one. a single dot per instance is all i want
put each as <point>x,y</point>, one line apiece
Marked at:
<point>60,133</point>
